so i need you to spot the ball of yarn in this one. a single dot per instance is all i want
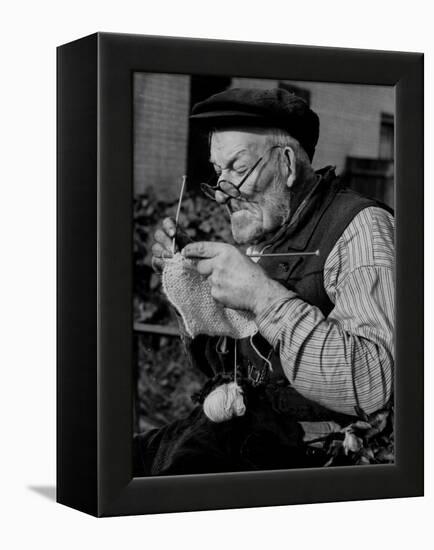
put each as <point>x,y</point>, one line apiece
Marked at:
<point>224,402</point>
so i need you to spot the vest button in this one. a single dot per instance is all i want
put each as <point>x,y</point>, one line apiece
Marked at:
<point>284,267</point>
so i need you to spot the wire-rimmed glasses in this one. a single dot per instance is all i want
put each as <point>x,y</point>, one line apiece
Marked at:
<point>229,189</point>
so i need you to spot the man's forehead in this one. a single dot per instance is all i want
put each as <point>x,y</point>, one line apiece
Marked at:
<point>225,142</point>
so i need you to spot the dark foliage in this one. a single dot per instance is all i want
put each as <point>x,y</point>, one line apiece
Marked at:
<point>165,381</point>
<point>369,441</point>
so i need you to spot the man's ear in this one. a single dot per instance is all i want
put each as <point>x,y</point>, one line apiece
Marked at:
<point>290,166</point>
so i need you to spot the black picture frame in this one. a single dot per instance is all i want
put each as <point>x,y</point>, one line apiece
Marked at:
<point>95,321</point>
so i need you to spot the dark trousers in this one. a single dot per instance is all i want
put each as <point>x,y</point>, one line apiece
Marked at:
<point>262,439</point>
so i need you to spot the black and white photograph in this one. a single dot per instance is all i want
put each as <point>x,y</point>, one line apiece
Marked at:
<point>264,274</point>
<point>216,284</point>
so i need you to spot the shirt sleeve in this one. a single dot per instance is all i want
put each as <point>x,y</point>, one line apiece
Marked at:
<point>345,360</point>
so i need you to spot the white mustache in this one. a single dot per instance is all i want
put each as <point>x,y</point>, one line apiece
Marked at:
<point>235,205</point>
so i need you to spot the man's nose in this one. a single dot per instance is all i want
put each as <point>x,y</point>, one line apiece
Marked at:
<point>220,197</point>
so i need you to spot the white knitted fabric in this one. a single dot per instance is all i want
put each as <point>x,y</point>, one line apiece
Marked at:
<point>190,293</point>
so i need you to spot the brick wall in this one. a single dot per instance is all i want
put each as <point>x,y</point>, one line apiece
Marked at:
<point>161,108</point>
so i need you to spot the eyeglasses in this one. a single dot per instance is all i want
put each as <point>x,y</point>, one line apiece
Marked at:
<point>229,189</point>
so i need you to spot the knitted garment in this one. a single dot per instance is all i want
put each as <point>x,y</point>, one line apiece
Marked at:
<point>190,293</point>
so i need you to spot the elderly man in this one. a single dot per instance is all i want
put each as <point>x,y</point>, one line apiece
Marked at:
<point>325,322</point>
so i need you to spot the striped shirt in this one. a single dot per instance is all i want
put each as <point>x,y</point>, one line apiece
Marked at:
<point>345,360</point>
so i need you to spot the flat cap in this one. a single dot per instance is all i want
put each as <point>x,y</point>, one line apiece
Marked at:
<point>273,108</point>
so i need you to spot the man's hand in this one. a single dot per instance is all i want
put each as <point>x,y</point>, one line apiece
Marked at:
<point>163,245</point>
<point>236,281</point>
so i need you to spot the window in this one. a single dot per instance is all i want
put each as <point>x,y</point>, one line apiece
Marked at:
<point>387,138</point>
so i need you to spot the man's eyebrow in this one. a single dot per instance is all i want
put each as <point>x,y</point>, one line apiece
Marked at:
<point>232,159</point>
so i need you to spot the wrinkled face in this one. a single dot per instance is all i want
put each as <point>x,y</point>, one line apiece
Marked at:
<point>264,204</point>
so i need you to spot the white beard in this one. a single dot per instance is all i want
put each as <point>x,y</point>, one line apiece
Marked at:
<point>251,223</point>
<point>247,228</point>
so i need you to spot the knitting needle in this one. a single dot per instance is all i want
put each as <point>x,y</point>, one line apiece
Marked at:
<point>273,254</point>
<point>178,211</point>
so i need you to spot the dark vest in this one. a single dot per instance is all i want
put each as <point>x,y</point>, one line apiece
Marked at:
<point>317,225</point>
<point>321,223</point>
